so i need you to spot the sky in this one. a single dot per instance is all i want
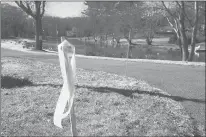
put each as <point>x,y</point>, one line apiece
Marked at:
<point>62,9</point>
<point>65,9</point>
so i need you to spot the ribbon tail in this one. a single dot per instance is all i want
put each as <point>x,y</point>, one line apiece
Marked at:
<point>70,103</point>
<point>61,104</point>
<point>64,98</point>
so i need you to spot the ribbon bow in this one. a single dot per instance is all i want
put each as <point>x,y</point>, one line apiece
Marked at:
<point>67,61</point>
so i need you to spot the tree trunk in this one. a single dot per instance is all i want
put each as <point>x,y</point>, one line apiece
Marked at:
<point>113,40</point>
<point>185,52</point>
<point>95,39</point>
<point>38,34</point>
<point>129,54</point>
<point>149,37</point>
<point>180,46</point>
<point>117,39</point>
<point>106,36</point>
<point>194,33</point>
<point>101,41</point>
<point>148,40</point>
<point>184,40</point>
<point>118,42</point>
<point>129,51</point>
<point>179,43</point>
<point>192,51</point>
<point>106,41</point>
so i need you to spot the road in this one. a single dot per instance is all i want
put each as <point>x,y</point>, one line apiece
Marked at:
<point>185,83</point>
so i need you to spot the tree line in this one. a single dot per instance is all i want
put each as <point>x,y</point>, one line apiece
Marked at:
<point>129,20</point>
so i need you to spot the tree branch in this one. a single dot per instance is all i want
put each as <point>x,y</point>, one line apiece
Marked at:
<point>175,28</point>
<point>196,11</point>
<point>26,8</point>
<point>37,6</point>
<point>176,24</point>
<point>43,9</point>
<point>195,23</point>
<point>170,22</point>
<point>190,22</point>
<point>168,11</point>
<point>178,4</point>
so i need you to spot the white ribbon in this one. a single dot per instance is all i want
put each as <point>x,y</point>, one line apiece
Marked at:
<point>68,68</point>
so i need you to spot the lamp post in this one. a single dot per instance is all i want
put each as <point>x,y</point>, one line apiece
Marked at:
<point>57,34</point>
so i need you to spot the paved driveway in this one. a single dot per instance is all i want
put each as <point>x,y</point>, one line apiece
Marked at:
<point>186,84</point>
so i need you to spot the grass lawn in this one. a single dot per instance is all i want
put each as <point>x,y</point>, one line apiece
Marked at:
<point>105,104</point>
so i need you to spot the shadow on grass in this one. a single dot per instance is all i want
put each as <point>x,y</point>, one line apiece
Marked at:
<point>51,85</point>
<point>12,82</point>
<point>130,93</point>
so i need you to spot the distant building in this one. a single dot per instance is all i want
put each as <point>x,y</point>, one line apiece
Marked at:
<point>74,29</point>
<point>71,33</point>
<point>166,29</point>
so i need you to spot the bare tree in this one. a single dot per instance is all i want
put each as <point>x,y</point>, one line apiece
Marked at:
<point>130,14</point>
<point>93,12</point>
<point>150,20</point>
<point>178,20</point>
<point>36,10</point>
<point>194,30</point>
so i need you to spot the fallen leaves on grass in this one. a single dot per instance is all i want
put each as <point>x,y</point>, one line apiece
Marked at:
<point>105,104</point>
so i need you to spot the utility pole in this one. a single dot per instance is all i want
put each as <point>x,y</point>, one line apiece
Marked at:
<point>57,34</point>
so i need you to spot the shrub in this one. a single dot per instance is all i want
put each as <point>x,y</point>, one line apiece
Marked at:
<point>148,50</point>
<point>172,39</point>
<point>199,39</point>
<point>151,56</point>
<point>28,44</point>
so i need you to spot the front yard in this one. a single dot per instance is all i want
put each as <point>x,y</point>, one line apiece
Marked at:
<point>106,104</point>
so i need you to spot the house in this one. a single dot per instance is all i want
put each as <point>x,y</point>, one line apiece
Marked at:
<point>200,47</point>
<point>166,29</point>
<point>71,33</point>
